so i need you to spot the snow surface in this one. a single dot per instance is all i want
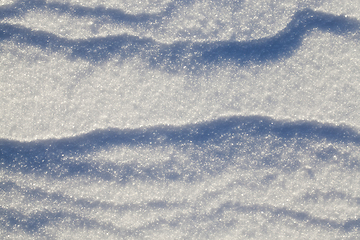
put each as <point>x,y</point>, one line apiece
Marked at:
<point>191,119</point>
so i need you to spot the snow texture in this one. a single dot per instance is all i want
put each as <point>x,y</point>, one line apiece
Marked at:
<point>168,119</point>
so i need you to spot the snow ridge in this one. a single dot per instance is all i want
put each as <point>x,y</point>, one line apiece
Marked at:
<point>221,158</point>
<point>189,54</point>
<point>113,122</point>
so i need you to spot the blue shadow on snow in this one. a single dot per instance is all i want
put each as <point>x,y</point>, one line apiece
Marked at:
<point>187,54</point>
<point>22,7</point>
<point>60,158</point>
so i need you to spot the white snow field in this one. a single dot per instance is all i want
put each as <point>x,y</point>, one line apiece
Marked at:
<point>169,119</point>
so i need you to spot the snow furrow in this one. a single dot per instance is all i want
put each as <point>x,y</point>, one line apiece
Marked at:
<point>196,119</point>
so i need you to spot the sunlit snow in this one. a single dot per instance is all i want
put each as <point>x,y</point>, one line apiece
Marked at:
<point>168,119</point>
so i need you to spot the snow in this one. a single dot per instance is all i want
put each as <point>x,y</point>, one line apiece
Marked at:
<point>179,119</point>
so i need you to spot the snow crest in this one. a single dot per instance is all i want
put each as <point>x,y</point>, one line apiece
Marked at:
<point>179,119</point>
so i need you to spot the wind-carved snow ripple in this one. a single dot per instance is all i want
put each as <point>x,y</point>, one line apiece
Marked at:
<point>254,156</point>
<point>186,55</point>
<point>22,7</point>
<point>243,176</point>
<point>47,155</point>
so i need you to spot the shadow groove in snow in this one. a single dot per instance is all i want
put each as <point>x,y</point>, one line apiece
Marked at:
<point>22,7</point>
<point>93,49</point>
<point>283,44</point>
<point>216,140</point>
<point>318,195</point>
<point>197,133</point>
<point>84,203</point>
<point>191,55</point>
<point>12,219</point>
<point>278,213</point>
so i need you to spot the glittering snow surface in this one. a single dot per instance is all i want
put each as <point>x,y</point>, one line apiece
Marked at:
<point>168,119</point>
